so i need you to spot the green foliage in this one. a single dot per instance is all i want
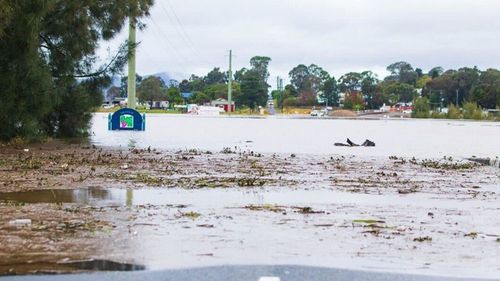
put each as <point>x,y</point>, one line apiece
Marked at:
<point>330,92</point>
<point>174,96</point>
<point>200,98</point>
<point>472,111</point>
<point>253,90</point>
<point>369,87</point>
<point>486,92</point>
<point>354,101</point>
<point>49,77</point>
<point>453,112</point>
<point>260,64</point>
<point>151,89</point>
<point>421,108</point>
<point>437,115</point>
<point>402,72</point>
<point>350,82</point>
<point>399,92</point>
<point>5,15</point>
<point>308,81</point>
<point>215,77</point>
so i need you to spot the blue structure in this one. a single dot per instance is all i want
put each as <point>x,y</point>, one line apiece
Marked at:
<point>127,119</point>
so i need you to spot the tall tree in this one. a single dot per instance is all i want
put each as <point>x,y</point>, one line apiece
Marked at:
<point>51,80</point>
<point>350,82</point>
<point>402,72</point>
<point>486,93</point>
<point>152,89</point>
<point>435,72</point>
<point>369,86</point>
<point>330,92</point>
<point>308,81</point>
<point>253,91</point>
<point>260,64</point>
<point>185,86</point>
<point>215,77</point>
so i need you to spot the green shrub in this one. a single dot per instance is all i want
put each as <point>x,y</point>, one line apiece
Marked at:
<point>453,112</point>
<point>472,111</point>
<point>421,108</point>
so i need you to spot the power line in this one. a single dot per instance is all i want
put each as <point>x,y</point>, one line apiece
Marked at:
<point>181,58</point>
<point>179,28</point>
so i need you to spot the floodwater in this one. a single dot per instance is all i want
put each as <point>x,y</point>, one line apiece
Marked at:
<point>229,231</point>
<point>212,198</point>
<point>408,138</point>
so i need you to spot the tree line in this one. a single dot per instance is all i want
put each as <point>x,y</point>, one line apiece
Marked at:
<point>312,85</point>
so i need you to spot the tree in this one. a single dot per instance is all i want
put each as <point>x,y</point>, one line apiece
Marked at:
<point>113,93</point>
<point>215,77</point>
<point>308,82</point>
<point>330,92</point>
<point>196,83</point>
<point>124,84</point>
<point>400,92</point>
<point>436,72</point>
<point>350,82</point>
<point>260,64</point>
<point>200,98</point>
<point>238,75</point>
<point>185,86</point>
<point>421,108</point>
<point>5,15</point>
<point>50,80</point>
<point>486,93</point>
<point>298,77</point>
<point>151,89</point>
<point>369,85</point>
<point>402,72</point>
<point>253,91</point>
<point>174,96</point>
<point>354,101</point>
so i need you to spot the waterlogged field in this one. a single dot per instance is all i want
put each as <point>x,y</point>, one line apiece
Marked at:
<point>409,138</point>
<point>193,192</point>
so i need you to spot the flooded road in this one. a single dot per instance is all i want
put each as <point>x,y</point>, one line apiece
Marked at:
<point>409,138</point>
<point>121,204</point>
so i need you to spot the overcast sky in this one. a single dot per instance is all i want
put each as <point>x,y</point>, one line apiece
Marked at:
<point>193,36</point>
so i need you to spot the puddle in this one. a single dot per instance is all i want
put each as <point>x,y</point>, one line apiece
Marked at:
<point>226,197</point>
<point>44,268</point>
<point>103,265</point>
<point>83,196</point>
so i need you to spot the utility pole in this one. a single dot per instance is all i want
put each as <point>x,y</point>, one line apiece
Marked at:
<point>279,87</point>
<point>131,63</point>
<point>457,98</point>
<point>230,84</point>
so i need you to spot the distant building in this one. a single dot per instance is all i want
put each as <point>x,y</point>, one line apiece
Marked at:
<point>159,105</point>
<point>224,104</point>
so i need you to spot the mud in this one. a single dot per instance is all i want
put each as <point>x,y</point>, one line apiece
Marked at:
<point>169,209</point>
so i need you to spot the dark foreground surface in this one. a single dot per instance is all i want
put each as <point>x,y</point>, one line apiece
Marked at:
<point>245,273</point>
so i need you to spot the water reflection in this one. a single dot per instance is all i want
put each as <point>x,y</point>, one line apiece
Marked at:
<point>214,198</point>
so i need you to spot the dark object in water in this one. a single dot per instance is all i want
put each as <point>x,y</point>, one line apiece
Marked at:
<point>367,143</point>
<point>341,144</point>
<point>349,142</point>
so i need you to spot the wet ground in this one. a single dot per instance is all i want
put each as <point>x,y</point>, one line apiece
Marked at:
<point>129,208</point>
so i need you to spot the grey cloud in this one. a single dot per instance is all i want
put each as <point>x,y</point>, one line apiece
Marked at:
<point>340,36</point>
